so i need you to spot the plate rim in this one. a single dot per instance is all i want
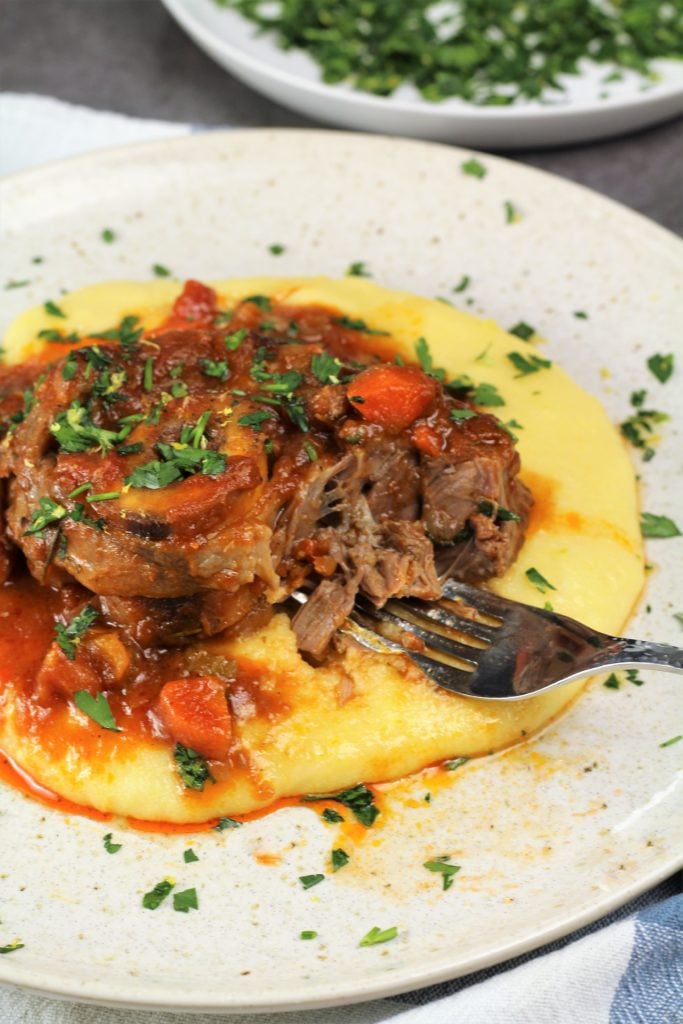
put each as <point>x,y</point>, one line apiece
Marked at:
<point>194,26</point>
<point>404,980</point>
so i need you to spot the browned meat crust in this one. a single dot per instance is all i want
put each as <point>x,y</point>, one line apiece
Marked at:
<point>186,478</point>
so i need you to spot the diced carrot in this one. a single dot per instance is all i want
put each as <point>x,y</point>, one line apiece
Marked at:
<point>195,712</point>
<point>393,396</point>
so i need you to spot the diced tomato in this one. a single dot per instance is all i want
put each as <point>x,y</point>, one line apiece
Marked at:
<point>393,396</point>
<point>195,712</point>
<point>194,307</point>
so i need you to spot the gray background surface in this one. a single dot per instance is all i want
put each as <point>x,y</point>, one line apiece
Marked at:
<point>130,56</point>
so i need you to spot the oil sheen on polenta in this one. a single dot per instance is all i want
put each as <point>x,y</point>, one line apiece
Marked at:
<point>583,537</point>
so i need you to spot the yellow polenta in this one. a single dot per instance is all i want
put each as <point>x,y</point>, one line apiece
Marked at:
<point>391,721</point>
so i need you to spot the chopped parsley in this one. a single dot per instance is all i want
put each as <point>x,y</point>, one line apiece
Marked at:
<point>442,866</point>
<point>462,284</point>
<point>215,368</point>
<point>47,513</point>
<point>540,582</point>
<point>358,269</point>
<point>52,309</point>
<point>262,301</point>
<point>189,856</point>
<point>180,459</point>
<point>473,167</point>
<point>329,814</point>
<point>110,846</point>
<point>192,767</point>
<point>661,366</point>
<point>276,249</point>
<point>224,823</point>
<point>255,420</point>
<point>522,330</point>
<point>326,368</point>
<point>486,395</point>
<point>527,364</point>
<point>670,743</point>
<point>185,901</point>
<point>359,800</point>
<point>580,314</point>
<point>11,948</point>
<point>424,357</point>
<point>159,270</point>
<point>498,512</point>
<point>308,935</point>
<point>512,214</point>
<point>638,427</point>
<point>340,859</point>
<point>75,431</point>
<point>455,763</point>
<point>612,682</point>
<point>658,526</point>
<point>311,453</point>
<point>461,414</point>
<point>377,935</point>
<point>148,374</point>
<point>13,283</point>
<point>156,896</point>
<point>308,881</point>
<point>97,708</point>
<point>51,334</point>
<point>107,235</point>
<point>68,637</point>
<point>356,325</point>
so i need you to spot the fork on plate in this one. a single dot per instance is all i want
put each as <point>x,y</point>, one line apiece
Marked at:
<point>478,644</point>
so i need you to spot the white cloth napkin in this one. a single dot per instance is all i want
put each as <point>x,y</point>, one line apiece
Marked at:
<point>625,969</point>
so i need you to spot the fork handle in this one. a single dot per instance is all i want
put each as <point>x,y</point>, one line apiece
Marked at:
<point>625,653</point>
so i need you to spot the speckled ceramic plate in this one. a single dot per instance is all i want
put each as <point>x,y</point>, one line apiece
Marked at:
<point>588,108</point>
<point>549,835</point>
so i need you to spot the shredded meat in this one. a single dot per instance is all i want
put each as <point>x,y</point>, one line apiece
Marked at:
<point>193,478</point>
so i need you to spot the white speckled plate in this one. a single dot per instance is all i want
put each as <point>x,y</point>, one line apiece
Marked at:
<point>588,108</point>
<point>549,835</point>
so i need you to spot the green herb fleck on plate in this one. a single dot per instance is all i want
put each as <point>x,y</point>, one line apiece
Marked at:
<point>308,881</point>
<point>110,846</point>
<point>185,901</point>
<point>661,366</point>
<point>377,935</point>
<point>443,866</point>
<point>658,526</point>
<point>537,580</point>
<point>473,167</point>
<point>156,896</point>
<point>192,767</point>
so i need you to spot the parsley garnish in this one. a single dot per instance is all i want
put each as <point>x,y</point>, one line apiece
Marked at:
<point>527,364</point>
<point>215,368</point>
<point>11,948</point>
<point>670,743</point>
<point>661,366</point>
<point>329,814</point>
<point>462,284</point>
<point>359,800</point>
<point>356,325</point>
<point>340,859</point>
<point>637,428</point>
<point>68,637</point>
<point>487,395</point>
<point>358,269</point>
<point>326,368</point>
<point>262,301</point>
<point>580,314</point>
<point>76,432</point>
<point>107,235</point>
<point>97,708</point>
<point>183,458</point>
<point>522,330</point>
<point>461,414</point>
<point>457,762</point>
<point>148,374</point>
<point>160,270</point>
<point>127,334</point>
<point>185,901</point>
<point>276,249</point>
<point>540,582</point>
<point>52,309</point>
<point>308,935</point>
<point>512,215</point>
<point>48,512</point>
<point>234,340</point>
<point>224,823</point>
<point>156,896</point>
<point>442,866</point>
<point>192,767</point>
<point>658,526</point>
<point>498,512</point>
<point>377,935</point>
<point>426,361</point>
<point>473,167</point>
<point>308,881</point>
<point>310,452</point>
<point>612,682</point>
<point>109,846</point>
<point>13,283</point>
<point>255,419</point>
<point>189,856</point>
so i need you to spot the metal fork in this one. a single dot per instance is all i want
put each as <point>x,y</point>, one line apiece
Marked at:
<point>475,643</point>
